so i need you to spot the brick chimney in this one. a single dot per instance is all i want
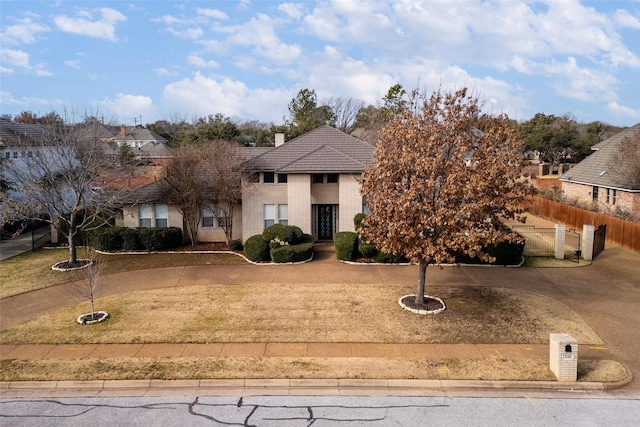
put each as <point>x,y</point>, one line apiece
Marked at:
<point>279,139</point>
<point>123,130</point>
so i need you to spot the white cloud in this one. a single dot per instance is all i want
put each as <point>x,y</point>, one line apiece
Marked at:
<point>187,33</point>
<point>7,98</point>
<point>87,25</point>
<point>164,72</point>
<point>127,106</point>
<point>621,110</point>
<point>213,13</point>
<point>625,19</point>
<point>293,10</point>
<point>259,33</point>
<point>72,63</point>
<point>5,70</point>
<point>23,31</point>
<point>203,95</point>
<point>17,58</point>
<point>200,62</point>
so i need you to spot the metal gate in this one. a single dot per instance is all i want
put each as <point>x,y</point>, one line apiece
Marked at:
<point>572,250</point>
<point>599,237</point>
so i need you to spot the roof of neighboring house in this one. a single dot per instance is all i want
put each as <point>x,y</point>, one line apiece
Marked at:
<point>156,192</point>
<point>134,133</point>
<point>14,133</point>
<point>324,149</point>
<point>597,168</point>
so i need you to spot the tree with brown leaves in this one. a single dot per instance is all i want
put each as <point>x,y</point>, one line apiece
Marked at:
<point>439,185</point>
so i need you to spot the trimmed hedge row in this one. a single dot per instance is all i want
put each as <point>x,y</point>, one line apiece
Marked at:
<point>133,239</point>
<point>279,243</point>
<point>349,246</point>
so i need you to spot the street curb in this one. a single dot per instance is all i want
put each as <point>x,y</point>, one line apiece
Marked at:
<point>310,387</point>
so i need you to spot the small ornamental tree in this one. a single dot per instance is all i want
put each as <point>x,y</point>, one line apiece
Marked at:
<point>439,185</point>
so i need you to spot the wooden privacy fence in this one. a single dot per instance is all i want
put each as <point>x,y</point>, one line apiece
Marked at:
<point>621,232</point>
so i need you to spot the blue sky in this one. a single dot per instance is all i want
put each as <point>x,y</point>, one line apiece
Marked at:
<point>248,59</point>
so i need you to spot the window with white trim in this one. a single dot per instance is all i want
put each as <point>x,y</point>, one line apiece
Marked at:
<point>207,218</point>
<point>269,215</point>
<point>283,214</point>
<point>162,215</point>
<point>145,213</point>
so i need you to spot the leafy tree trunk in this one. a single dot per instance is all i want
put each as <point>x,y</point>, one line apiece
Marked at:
<point>422,276</point>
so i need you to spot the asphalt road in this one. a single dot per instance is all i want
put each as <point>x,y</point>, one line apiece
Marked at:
<point>290,411</point>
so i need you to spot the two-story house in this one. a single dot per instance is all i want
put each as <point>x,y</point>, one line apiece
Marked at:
<point>311,181</point>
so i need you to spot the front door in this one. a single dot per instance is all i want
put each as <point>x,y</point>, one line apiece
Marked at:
<point>325,222</point>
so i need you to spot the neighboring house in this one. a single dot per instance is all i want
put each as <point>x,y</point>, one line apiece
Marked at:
<point>311,181</point>
<point>146,145</point>
<point>594,180</point>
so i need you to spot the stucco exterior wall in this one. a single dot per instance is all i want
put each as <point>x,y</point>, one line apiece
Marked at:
<point>253,201</point>
<point>299,199</point>
<point>350,201</point>
<point>325,194</point>
<point>130,218</point>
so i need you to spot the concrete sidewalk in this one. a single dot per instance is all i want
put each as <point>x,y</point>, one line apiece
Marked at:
<point>606,295</point>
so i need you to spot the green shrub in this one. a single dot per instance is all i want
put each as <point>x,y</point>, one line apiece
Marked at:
<point>172,237</point>
<point>505,253</point>
<point>292,253</point>
<point>386,258</point>
<point>345,243</point>
<point>256,249</point>
<point>367,250</point>
<point>156,239</point>
<point>357,220</point>
<point>106,238</point>
<point>284,233</point>
<point>307,238</point>
<point>150,238</point>
<point>235,245</point>
<point>130,240</point>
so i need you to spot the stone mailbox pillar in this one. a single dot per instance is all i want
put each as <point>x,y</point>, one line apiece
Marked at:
<point>563,357</point>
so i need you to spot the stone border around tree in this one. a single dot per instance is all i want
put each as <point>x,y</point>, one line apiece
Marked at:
<point>57,267</point>
<point>416,311</point>
<point>99,316</point>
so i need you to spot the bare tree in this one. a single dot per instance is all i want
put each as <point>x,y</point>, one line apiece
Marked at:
<point>56,176</point>
<point>625,162</point>
<point>345,111</point>
<point>439,185</point>
<point>206,175</point>
<point>188,185</point>
<point>228,168</point>
<point>90,288</point>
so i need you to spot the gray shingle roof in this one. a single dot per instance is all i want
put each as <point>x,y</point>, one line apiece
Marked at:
<point>156,192</point>
<point>324,149</point>
<point>596,169</point>
<point>15,133</point>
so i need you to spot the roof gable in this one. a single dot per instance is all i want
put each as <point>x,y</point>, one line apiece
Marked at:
<point>596,169</point>
<point>324,149</point>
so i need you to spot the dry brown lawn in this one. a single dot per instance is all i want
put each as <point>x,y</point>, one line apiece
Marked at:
<point>285,313</point>
<point>32,270</point>
<point>308,313</point>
